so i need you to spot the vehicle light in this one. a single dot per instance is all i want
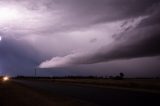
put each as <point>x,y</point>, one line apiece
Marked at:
<point>5,78</point>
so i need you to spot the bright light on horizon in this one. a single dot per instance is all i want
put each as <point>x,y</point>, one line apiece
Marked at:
<point>5,78</point>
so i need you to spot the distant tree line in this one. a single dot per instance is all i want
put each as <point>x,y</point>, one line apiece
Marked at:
<point>118,77</point>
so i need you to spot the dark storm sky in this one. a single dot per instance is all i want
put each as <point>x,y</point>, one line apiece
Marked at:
<point>80,37</point>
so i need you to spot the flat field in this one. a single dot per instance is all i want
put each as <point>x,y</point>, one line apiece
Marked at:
<point>79,92</point>
<point>137,84</point>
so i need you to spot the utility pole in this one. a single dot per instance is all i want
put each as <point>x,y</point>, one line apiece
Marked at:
<point>35,72</point>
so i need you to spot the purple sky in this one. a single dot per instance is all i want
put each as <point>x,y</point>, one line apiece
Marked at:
<point>80,37</point>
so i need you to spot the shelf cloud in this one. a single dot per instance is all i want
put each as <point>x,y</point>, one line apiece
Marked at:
<point>64,33</point>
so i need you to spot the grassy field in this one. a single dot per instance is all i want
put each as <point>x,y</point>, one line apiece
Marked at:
<point>131,83</point>
<point>144,84</point>
<point>13,94</point>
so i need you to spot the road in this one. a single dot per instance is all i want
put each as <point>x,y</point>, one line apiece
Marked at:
<point>96,95</point>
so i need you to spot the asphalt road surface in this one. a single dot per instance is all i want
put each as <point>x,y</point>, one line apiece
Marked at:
<point>96,95</point>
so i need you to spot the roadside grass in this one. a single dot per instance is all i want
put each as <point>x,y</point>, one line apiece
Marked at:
<point>13,94</point>
<point>146,84</point>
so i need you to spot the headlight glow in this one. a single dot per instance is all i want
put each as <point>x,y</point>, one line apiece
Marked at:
<point>5,78</point>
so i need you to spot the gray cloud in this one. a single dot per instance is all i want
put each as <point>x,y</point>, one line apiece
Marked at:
<point>141,41</point>
<point>144,47</point>
<point>59,32</point>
